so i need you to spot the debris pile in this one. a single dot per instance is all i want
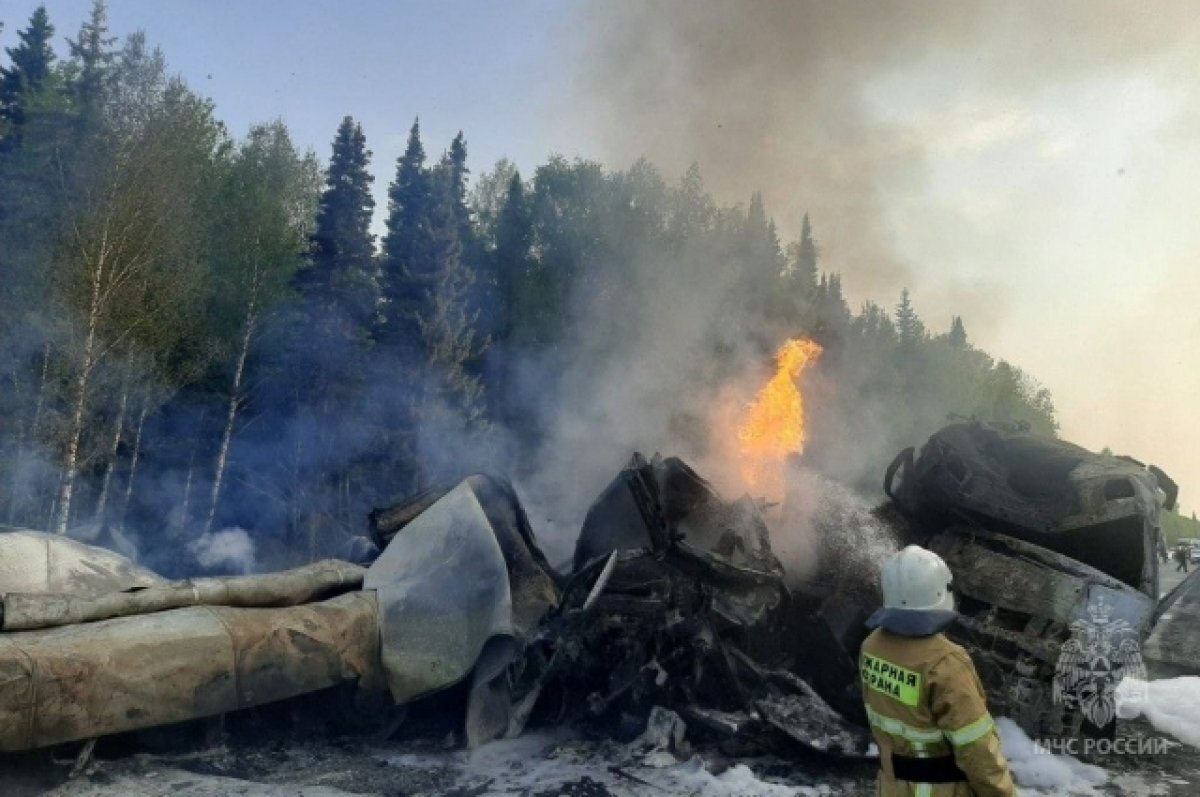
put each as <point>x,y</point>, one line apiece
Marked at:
<point>678,601</point>
<point>677,611</point>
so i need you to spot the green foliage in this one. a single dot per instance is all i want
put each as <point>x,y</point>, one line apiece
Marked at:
<point>409,267</point>
<point>957,336</point>
<point>517,297</point>
<point>487,199</point>
<point>430,322</point>
<point>1177,527</point>
<point>445,321</point>
<point>909,327</point>
<point>805,267</point>
<point>153,268</point>
<point>92,58</point>
<point>341,277</point>
<point>262,220</point>
<point>29,74</point>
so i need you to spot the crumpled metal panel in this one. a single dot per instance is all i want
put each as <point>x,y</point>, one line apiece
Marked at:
<point>444,593</point>
<point>678,601</point>
<point>1035,582</point>
<point>1018,602</point>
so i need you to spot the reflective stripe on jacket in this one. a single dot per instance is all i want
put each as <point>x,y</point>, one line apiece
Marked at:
<point>924,700</point>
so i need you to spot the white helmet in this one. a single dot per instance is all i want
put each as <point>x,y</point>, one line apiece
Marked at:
<point>917,579</point>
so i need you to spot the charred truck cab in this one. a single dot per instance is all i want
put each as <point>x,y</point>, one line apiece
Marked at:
<point>1052,548</point>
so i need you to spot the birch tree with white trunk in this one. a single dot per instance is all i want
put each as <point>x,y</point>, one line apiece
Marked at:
<point>128,269</point>
<point>268,206</point>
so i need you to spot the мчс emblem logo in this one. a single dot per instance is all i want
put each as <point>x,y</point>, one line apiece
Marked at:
<point>1093,661</point>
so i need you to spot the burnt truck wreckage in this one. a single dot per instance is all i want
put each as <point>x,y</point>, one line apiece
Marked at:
<point>675,600</point>
<point>1047,541</point>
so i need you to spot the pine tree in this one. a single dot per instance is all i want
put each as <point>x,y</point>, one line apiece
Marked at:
<point>511,273</point>
<point>691,209</point>
<point>30,71</point>
<point>514,237</point>
<point>798,301</point>
<point>454,162</point>
<point>430,313</point>
<point>341,278</point>
<point>805,269</point>
<point>909,327</point>
<point>409,269</point>
<point>762,240</point>
<point>957,336</point>
<point>324,373</point>
<point>446,321</point>
<point>37,173</point>
<point>92,59</point>
<point>762,266</point>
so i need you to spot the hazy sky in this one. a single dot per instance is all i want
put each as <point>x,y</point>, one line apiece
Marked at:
<point>1034,167</point>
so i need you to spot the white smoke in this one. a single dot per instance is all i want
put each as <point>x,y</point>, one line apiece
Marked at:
<point>229,549</point>
<point>829,531</point>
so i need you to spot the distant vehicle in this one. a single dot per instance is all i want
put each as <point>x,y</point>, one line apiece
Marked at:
<point>1193,546</point>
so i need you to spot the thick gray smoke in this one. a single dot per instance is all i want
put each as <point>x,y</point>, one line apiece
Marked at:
<point>819,104</point>
<point>823,108</point>
<point>635,381</point>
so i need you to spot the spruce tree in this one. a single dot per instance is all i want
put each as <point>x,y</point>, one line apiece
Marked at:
<point>454,163</point>
<point>341,277</point>
<point>832,312</point>
<point>511,273</point>
<point>37,170</point>
<point>29,72</point>
<point>958,333</point>
<point>805,269</point>
<point>408,265</point>
<point>909,327</point>
<point>691,209</point>
<point>760,232</point>
<point>92,57</point>
<point>514,237</point>
<point>762,265</point>
<point>323,378</point>
<point>429,314</point>
<point>447,321</point>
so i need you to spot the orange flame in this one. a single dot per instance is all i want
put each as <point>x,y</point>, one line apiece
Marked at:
<point>772,428</point>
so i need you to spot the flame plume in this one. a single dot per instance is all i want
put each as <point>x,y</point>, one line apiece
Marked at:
<point>773,427</point>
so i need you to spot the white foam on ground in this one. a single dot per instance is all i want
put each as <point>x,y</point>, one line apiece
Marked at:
<point>172,782</point>
<point>1172,705</point>
<point>692,777</point>
<point>1141,786</point>
<point>1034,767</point>
<point>543,761</point>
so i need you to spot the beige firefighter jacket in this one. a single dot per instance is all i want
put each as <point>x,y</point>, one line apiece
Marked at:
<point>925,700</point>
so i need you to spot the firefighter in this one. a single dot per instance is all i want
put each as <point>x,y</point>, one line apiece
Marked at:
<point>924,701</point>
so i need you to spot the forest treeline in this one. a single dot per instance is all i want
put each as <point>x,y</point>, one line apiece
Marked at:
<point>198,331</point>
